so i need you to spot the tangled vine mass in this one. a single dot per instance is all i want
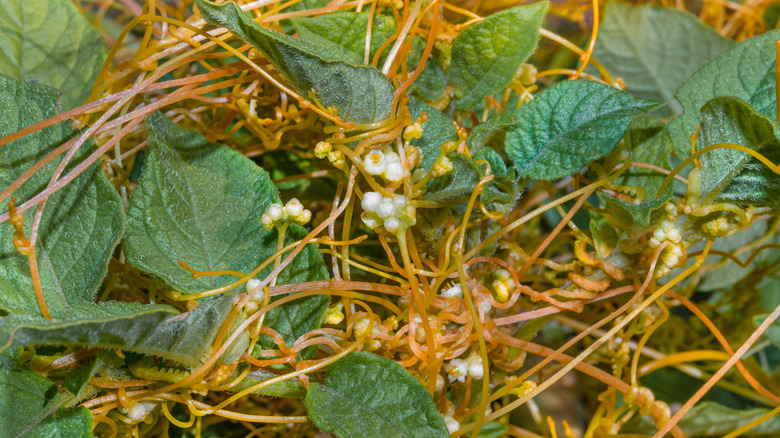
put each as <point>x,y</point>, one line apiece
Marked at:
<point>418,218</point>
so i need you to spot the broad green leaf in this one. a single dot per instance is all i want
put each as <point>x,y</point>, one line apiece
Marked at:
<point>79,377</point>
<point>457,186</point>
<point>487,54</point>
<point>711,420</point>
<point>731,120</point>
<point>437,130</point>
<point>719,274</point>
<point>746,71</point>
<point>32,406</point>
<point>655,49</point>
<point>432,80</point>
<point>51,43</point>
<point>81,223</point>
<point>345,31</point>
<point>493,429</point>
<point>211,220</point>
<point>141,328</point>
<point>647,141</point>
<point>362,94</point>
<point>201,203</point>
<point>366,395</point>
<point>569,125</point>
<point>492,132</point>
<point>502,189</point>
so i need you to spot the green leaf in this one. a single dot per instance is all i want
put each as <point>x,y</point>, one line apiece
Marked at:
<point>51,43</point>
<point>212,221</point>
<point>81,223</point>
<point>432,81</point>
<point>345,31</point>
<point>569,125</point>
<point>437,130</point>
<point>32,406</point>
<point>201,203</point>
<point>715,275</point>
<point>367,395</point>
<point>655,49</point>
<point>141,328</point>
<point>710,420</point>
<point>362,94</point>
<point>492,132</point>
<point>79,377</point>
<point>457,186</point>
<point>647,141</point>
<point>744,71</point>
<point>732,120</point>
<point>487,54</point>
<point>493,429</point>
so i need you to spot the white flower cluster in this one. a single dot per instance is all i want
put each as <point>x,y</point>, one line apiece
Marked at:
<point>386,164</point>
<point>139,411</point>
<point>394,213</point>
<point>459,368</point>
<point>278,214</point>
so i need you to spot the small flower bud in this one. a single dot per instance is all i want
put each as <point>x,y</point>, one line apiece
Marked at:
<point>371,201</point>
<point>252,284</point>
<point>303,218</point>
<point>394,172</point>
<point>322,149</point>
<point>392,224</point>
<point>293,207</point>
<point>276,212</point>
<point>386,208</point>
<point>370,221</point>
<point>267,222</point>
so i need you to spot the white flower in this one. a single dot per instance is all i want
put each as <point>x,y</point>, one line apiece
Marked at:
<point>452,424</point>
<point>371,201</point>
<point>370,221</point>
<point>456,291</point>
<point>439,383</point>
<point>267,222</point>
<point>293,207</point>
<point>400,202</point>
<point>375,163</point>
<point>475,366</point>
<point>457,370</point>
<point>303,218</point>
<point>392,224</point>
<point>386,208</point>
<point>394,172</point>
<point>276,212</point>
<point>140,410</point>
<point>252,284</point>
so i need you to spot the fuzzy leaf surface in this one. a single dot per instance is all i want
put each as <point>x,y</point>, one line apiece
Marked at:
<point>487,54</point>
<point>647,141</point>
<point>142,328</point>
<point>569,125</point>
<point>361,93</point>
<point>745,71</point>
<point>345,31</point>
<point>655,49</point>
<point>437,130</point>
<point>201,203</point>
<point>81,223</point>
<point>49,42</point>
<point>32,406</point>
<point>367,395</point>
<point>732,175</point>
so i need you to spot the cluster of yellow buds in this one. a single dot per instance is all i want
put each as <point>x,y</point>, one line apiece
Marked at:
<point>502,285</point>
<point>394,213</point>
<point>277,214</point>
<point>324,149</point>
